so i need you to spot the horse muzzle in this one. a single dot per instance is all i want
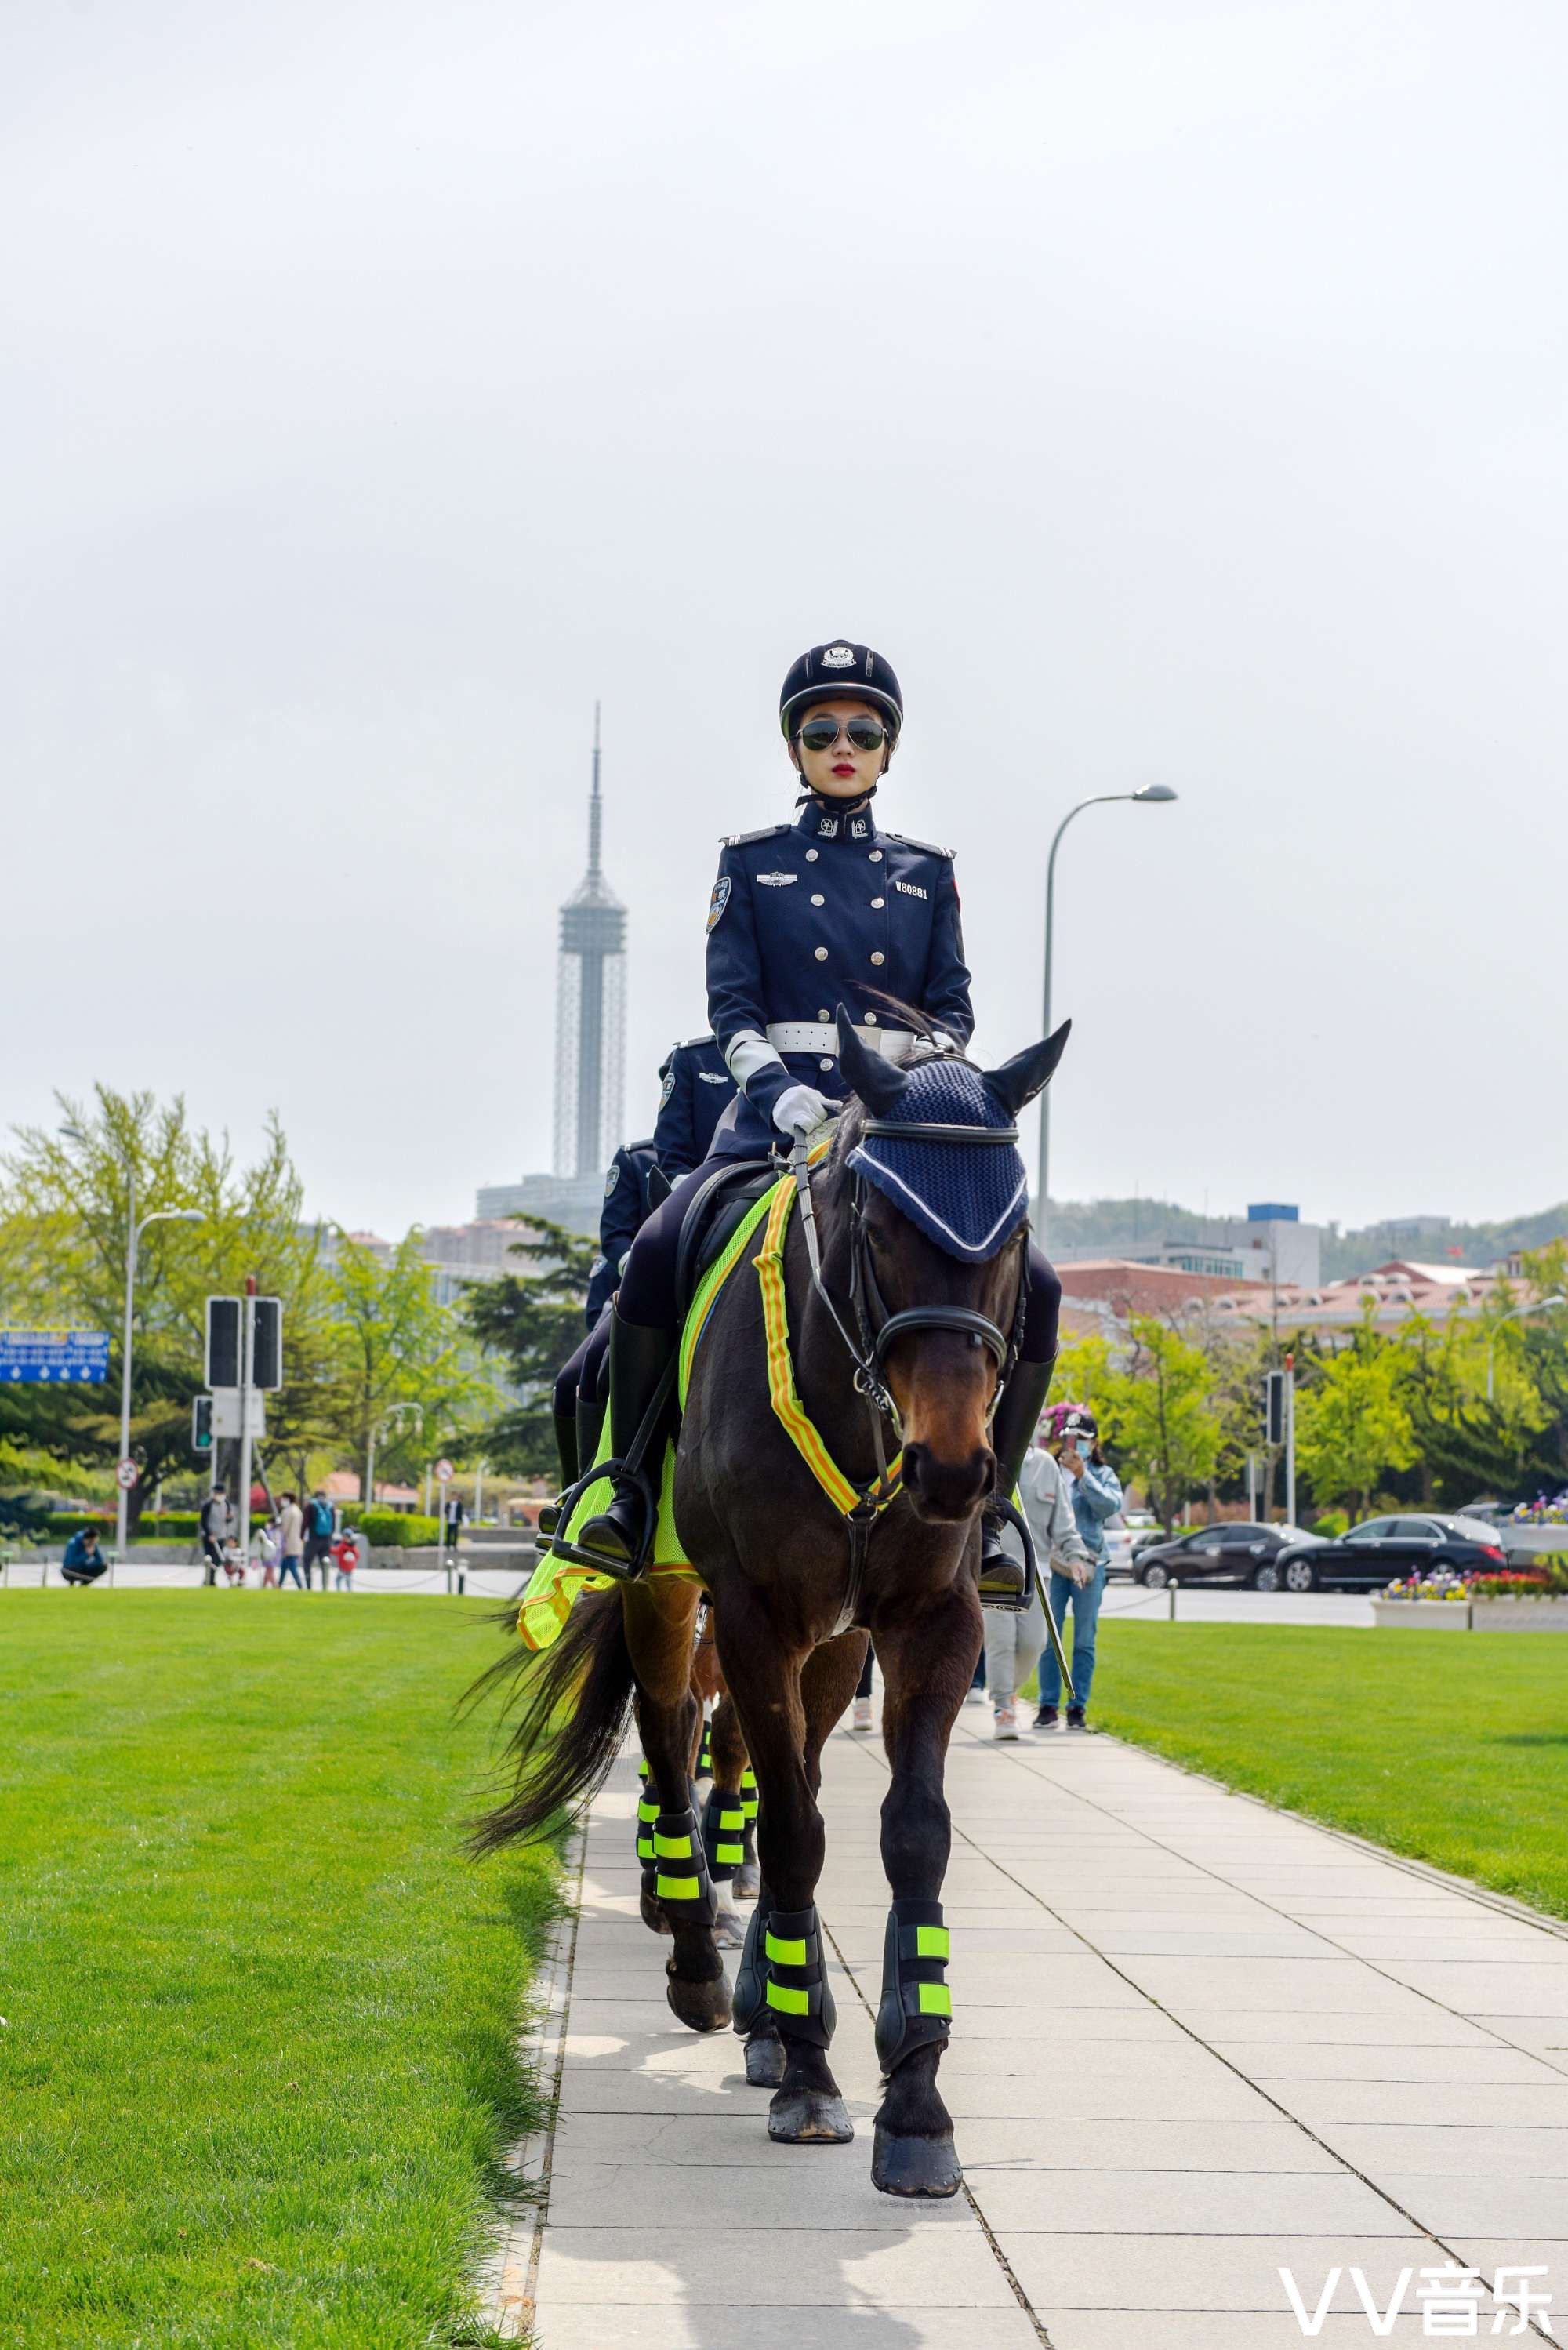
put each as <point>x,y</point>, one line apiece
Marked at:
<point>946,1492</point>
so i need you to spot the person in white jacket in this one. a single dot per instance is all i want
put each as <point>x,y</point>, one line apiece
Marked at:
<point>1014,1643</point>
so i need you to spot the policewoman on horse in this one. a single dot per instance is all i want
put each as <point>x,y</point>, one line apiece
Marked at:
<point>828,909</point>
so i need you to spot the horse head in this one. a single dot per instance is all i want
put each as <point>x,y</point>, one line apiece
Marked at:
<point>939,1232</point>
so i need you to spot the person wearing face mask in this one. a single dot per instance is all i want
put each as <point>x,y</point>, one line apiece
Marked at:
<point>828,909</point>
<point>1096,1493</point>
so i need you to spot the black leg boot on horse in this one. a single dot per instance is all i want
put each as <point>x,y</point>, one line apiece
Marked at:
<point>640,1362</point>
<point>1012,1433</point>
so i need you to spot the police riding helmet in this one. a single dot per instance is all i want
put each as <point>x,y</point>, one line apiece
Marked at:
<point>837,668</point>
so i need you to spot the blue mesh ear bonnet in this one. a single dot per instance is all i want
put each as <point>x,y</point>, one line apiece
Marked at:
<point>966,1199</point>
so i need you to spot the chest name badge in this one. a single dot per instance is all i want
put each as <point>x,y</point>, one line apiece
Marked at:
<point>911,888</point>
<point>712,1076</point>
<point>777,880</point>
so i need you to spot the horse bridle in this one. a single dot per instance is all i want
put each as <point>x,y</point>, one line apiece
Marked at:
<point>869,1344</point>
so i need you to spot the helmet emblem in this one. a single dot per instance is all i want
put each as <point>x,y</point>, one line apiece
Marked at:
<point>838,657</point>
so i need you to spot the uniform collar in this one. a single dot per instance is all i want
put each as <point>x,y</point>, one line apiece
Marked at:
<point>819,820</point>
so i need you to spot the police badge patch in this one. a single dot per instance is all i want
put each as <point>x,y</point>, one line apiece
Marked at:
<point>612,1178</point>
<point>668,1089</point>
<point>719,900</point>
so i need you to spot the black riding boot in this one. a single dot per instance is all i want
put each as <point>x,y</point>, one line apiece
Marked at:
<point>638,1357</point>
<point>590,1423</point>
<point>567,1446</point>
<point>1012,1432</point>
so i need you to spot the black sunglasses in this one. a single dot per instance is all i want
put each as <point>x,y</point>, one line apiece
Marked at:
<point>822,733</point>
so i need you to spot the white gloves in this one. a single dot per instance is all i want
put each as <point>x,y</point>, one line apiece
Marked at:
<point>800,1110</point>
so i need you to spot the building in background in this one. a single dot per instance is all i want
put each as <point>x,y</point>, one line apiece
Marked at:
<point>574,1201</point>
<point>590,1011</point>
<point>1272,1244</point>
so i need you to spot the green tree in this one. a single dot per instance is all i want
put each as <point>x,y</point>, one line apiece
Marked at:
<point>534,1320</point>
<point>1352,1422</point>
<point>1160,1412</point>
<point>405,1377</point>
<point>63,1240</point>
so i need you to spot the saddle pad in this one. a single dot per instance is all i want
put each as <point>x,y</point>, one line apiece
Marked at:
<point>555,1583</point>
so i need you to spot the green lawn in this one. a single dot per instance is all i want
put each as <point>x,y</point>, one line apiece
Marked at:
<point>1449,1746</point>
<point>257,2057</point>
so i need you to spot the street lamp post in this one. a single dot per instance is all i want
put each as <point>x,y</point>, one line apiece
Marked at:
<point>132,1245</point>
<point>1150,795</point>
<point>1538,1306</point>
<point>385,1420</point>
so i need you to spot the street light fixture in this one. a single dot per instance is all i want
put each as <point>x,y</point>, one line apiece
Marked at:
<point>1538,1305</point>
<point>133,1243</point>
<point>1148,796</point>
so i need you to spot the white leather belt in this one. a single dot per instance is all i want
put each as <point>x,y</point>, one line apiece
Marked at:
<point>821,1036</point>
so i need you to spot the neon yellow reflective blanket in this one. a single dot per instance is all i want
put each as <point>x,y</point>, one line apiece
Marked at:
<point>555,1583</point>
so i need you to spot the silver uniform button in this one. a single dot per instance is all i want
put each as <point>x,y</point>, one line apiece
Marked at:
<point>821,955</point>
<point>823,1012</point>
<point>877,957</point>
<point>877,904</point>
<point>876,855</point>
<point>811,857</point>
<point>818,899</point>
<point>871,1020</point>
<point>824,1064</point>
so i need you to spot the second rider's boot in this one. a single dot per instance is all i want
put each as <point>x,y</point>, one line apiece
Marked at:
<point>1001,1576</point>
<point>566,1447</point>
<point>637,1360</point>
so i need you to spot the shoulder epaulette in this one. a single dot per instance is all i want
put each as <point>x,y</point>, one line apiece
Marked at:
<point>763,832</point>
<point>931,847</point>
<point>688,1044</point>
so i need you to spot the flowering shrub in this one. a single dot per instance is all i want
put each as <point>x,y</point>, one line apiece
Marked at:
<point>1441,1586</point>
<point>1534,1582</point>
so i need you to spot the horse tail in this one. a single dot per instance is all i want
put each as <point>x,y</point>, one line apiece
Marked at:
<point>576,1704</point>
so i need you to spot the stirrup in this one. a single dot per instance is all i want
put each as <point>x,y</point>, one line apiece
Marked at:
<point>1007,1605</point>
<point>618,1473</point>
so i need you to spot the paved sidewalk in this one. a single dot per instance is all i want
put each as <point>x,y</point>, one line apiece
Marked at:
<point>1193,2041</point>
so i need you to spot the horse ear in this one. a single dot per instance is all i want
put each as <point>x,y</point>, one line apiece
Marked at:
<point>1028,1073</point>
<point>878,1082</point>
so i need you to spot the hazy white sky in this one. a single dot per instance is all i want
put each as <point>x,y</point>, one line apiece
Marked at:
<point>1169,392</point>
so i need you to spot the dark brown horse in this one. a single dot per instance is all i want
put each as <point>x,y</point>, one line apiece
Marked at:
<point>897,1324</point>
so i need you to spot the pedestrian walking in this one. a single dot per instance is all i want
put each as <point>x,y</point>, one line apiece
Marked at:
<point>1096,1493</point>
<point>1015,1643</point>
<point>291,1541</point>
<point>213,1526</point>
<point>83,1562</point>
<point>452,1515</point>
<point>265,1547</point>
<point>319,1529</point>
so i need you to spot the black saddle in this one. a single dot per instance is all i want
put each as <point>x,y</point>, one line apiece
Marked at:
<point>710,1220</point>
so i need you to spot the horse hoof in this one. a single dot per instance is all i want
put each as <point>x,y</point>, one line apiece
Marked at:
<point>728,1931</point>
<point>915,2166</point>
<point>653,1914</point>
<point>809,2117</point>
<point>764,2060</point>
<point>701,2006</point>
<point>747,1882</point>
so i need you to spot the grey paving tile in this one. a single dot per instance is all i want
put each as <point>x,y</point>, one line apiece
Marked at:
<point>1327,1984</point>
<point>1419,2025</point>
<point>1270,2060</point>
<point>1457,2149</point>
<point>785,2185</point>
<point>1038,2143</point>
<point>898,2266</point>
<point>1432,2103</point>
<point>1182,2329</point>
<point>1180,2203</point>
<point>1505,1987</point>
<point>1491,2207</point>
<point>1204,2273</point>
<point>746,2326</point>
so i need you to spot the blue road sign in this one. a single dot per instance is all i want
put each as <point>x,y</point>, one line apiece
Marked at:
<point>32,1357</point>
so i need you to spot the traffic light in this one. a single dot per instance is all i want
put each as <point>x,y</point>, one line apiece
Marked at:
<point>1274,1408</point>
<point>202,1426</point>
<point>267,1345</point>
<point>222,1342</point>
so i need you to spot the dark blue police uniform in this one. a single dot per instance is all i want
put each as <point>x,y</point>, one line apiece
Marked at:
<point>626,1210</point>
<point>830,910</point>
<point>697,1090</point>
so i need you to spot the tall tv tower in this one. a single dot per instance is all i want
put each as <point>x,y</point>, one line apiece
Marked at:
<point>590,1011</point>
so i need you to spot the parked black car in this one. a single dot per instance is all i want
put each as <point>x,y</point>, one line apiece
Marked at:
<point>1383,1549</point>
<point>1230,1552</point>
